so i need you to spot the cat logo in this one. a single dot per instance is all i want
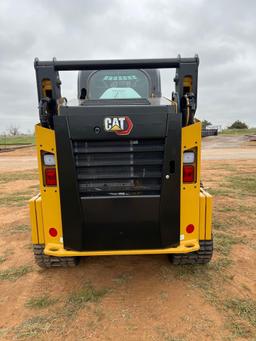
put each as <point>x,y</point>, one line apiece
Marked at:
<point>120,125</point>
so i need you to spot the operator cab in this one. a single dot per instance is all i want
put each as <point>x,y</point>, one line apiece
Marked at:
<point>132,84</point>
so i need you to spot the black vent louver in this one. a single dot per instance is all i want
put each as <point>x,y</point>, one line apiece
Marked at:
<point>120,168</point>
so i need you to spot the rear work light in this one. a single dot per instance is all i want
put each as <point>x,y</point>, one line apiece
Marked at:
<point>50,177</point>
<point>188,173</point>
<point>49,159</point>
<point>188,157</point>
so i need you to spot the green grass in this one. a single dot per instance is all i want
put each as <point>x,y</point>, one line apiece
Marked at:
<point>165,335</point>
<point>15,199</point>
<point>19,229</point>
<point>238,131</point>
<point>15,229</point>
<point>224,166</point>
<point>244,308</point>
<point>238,329</point>
<point>220,264</point>
<point>230,216</point>
<point>122,278</point>
<point>14,140</point>
<point>208,278</point>
<point>219,225</point>
<point>86,294</point>
<point>78,299</point>
<point>34,327</point>
<point>236,186</point>
<point>3,332</point>
<point>234,208</point>
<point>13,176</point>
<point>227,222</point>
<point>245,183</point>
<point>2,259</point>
<point>222,191</point>
<point>13,274</point>
<point>40,302</point>
<point>224,242</point>
<point>171,338</point>
<point>226,209</point>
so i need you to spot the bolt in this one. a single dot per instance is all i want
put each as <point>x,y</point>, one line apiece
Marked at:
<point>97,130</point>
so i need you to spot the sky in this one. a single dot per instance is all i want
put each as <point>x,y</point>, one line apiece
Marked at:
<point>221,32</point>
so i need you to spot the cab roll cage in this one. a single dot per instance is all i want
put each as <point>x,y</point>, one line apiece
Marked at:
<point>49,84</point>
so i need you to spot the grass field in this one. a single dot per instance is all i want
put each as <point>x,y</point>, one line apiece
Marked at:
<point>249,131</point>
<point>15,140</point>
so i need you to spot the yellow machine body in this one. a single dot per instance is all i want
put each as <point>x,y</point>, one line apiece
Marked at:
<point>195,204</point>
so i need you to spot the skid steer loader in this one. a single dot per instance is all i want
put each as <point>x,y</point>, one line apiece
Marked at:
<point>119,168</point>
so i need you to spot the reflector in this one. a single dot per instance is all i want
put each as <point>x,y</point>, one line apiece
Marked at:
<point>190,228</point>
<point>53,232</point>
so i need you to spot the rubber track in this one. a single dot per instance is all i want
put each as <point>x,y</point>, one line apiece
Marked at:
<point>45,261</point>
<point>202,256</point>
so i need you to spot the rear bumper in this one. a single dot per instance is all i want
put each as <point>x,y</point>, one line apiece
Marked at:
<point>58,250</point>
<point>185,246</point>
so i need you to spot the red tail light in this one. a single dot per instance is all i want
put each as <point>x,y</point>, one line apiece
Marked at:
<point>50,177</point>
<point>188,173</point>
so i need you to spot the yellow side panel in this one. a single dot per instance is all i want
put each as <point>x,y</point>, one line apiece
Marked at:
<point>191,136</point>
<point>51,215</point>
<point>202,212</point>
<point>40,225</point>
<point>205,215</point>
<point>189,202</point>
<point>50,209</point>
<point>208,225</point>
<point>189,213</point>
<point>33,219</point>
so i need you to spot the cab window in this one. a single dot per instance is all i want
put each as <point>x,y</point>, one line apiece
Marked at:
<point>118,84</point>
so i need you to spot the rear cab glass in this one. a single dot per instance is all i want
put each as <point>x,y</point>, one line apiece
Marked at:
<point>118,84</point>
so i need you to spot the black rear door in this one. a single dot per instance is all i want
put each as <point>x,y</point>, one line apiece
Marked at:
<point>119,191</point>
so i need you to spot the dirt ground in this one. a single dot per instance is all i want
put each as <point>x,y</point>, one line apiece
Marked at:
<point>213,148</point>
<point>132,298</point>
<point>226,147</point>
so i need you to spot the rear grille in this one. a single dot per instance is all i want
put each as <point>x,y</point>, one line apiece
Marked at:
<point>127,167</point>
